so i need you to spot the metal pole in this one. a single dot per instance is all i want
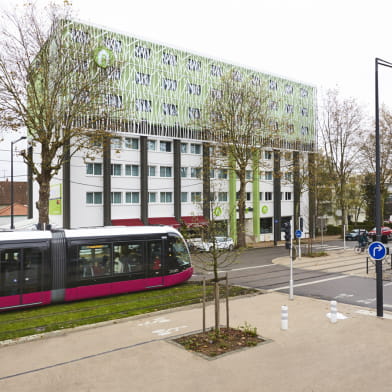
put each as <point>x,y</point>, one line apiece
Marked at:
<point>12,186</point>
<point>378,199</point>
<point>291,295</point>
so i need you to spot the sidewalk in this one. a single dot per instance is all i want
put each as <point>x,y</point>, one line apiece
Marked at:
<point>135,354</point>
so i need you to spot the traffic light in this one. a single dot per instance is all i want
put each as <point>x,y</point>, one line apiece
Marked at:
<point>301,223</point>
<point>287,231</point>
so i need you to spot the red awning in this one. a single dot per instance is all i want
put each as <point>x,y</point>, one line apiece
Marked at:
<point>169,221</point>
<point>127,222</point>
<point>194,221</point>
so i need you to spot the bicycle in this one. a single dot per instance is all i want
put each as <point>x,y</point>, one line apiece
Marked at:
<point>360,248</point>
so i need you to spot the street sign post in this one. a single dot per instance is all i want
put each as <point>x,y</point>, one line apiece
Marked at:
<point>377,250</point>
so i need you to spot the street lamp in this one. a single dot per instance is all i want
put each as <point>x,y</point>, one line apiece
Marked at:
<point>12,179</point>
<point>378,191</point>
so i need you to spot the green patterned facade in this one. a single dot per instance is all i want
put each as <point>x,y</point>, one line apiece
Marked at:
<point>158,86</point>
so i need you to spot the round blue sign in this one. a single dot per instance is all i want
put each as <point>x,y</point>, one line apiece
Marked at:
<point>298,233</point>
<point>377,250</point>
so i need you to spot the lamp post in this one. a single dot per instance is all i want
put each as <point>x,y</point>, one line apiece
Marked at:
<point>378,189</point>
<point>12,179</point>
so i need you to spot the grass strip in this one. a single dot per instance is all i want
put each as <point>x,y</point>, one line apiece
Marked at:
<point>18,323</point>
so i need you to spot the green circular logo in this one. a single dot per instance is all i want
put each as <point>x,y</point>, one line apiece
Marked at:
<point>103,57</point>
<point>264,209</point>
<point>217,211</point>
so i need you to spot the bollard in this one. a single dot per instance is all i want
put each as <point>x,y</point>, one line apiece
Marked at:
<point>284,324</point>
<point>334,312</point>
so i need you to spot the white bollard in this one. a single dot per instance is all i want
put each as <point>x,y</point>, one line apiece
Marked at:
<point>334,312</point>
<point>284,323</point>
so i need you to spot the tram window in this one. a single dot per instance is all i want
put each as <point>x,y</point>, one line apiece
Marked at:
<point>10,266</point>
<point>94,260</point>
<point>178,255</point>
<point>154,258</point>
<point>128,258</point>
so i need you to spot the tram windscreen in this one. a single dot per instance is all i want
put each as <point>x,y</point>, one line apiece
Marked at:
<point>178,255</point>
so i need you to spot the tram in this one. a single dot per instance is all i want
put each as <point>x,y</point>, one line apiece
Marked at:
<point>44,267</point>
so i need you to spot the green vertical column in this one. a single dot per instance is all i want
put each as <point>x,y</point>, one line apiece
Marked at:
<point>232,200</point>
<point>256,196</point>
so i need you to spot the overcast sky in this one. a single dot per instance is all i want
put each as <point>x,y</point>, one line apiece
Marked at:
<point>324,43</point>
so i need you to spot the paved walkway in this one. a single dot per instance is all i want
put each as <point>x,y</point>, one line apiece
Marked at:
<point>136,354</point>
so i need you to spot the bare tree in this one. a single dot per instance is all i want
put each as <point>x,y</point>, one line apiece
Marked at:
<point>368,163</point>
<point>50,86</point>
<point>238,117</point>
<point>341,129</point>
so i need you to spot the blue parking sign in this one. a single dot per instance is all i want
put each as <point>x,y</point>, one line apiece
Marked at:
<point>377,250</point>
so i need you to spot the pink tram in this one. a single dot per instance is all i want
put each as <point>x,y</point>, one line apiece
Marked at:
<point>43,267</point>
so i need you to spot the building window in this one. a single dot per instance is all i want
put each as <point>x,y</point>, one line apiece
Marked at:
<point>303,93</point>
<point>79,36</point>
<point>184,172</point>
<point>113,73</point>
<point>287,195</point>
<point>142,52</point>
<point>222,196</point>
<point>170,109</point>
<point>165,146</point>
<point>195,197</point>
<point>141,78</point>
<point>114,100</point>
<point>132,170</point>
<point>216,94</point>
<point>256,80</point>
<point>116,143</point>
<point>290,128</point>
<point>289,109</point>
<point>237,76</point>
<point>194,89</point>
<point>165,171</point>
<point>113,44</point>
<point>131,143</point>
<point>288,176</point>
<point>212,173</point>
<point>248,174</point>
<point>116,197</point>
<point>152,171</point>
<point>267,196</point>
<point>273,105</point>
<point>195,172</point>
<point>216,70</point>
<point>115,169</point>
<point>273,84</point>
<point>184,148</point>
<point>143,105</point>
<point>268,155</point>
<point>169,84</point>
<point>222,174</point>
<point>132,197</point>
<point>195,148</point>
<point>193,113</point>
<point>184,197</point>
<point>304,112</point>
<point>268,175</point>
<point>288,89</point>
<point>169,58</point>
<point>94,169</point>
<point>151,145</point>
<point>248,196</point>
<point>94,198</point>
<point>260,195</point>
<point>304,130</point>
<point>152,197</point>
<point>166,197</point>
<point>265,225</point>
<point>193,65</point>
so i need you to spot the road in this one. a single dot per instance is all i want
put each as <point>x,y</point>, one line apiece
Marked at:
<point>342,278</point>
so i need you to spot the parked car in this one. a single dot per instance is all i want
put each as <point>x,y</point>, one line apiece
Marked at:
<point>221,243</point>
<point>353,235</point>
<point>386,233</point>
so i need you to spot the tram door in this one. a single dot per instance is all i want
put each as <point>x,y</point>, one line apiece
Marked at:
<point>20,276</point>
<point>155,261</point>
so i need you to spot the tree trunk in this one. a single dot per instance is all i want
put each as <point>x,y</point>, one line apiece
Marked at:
<point>241,211</point>
<point>43,200</point>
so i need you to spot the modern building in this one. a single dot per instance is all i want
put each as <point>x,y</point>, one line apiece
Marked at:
<point>151,173</point>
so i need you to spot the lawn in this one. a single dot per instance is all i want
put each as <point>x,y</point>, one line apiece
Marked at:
<point>14,324</point>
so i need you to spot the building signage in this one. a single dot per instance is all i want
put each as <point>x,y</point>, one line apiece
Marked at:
<point>103,57</point>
